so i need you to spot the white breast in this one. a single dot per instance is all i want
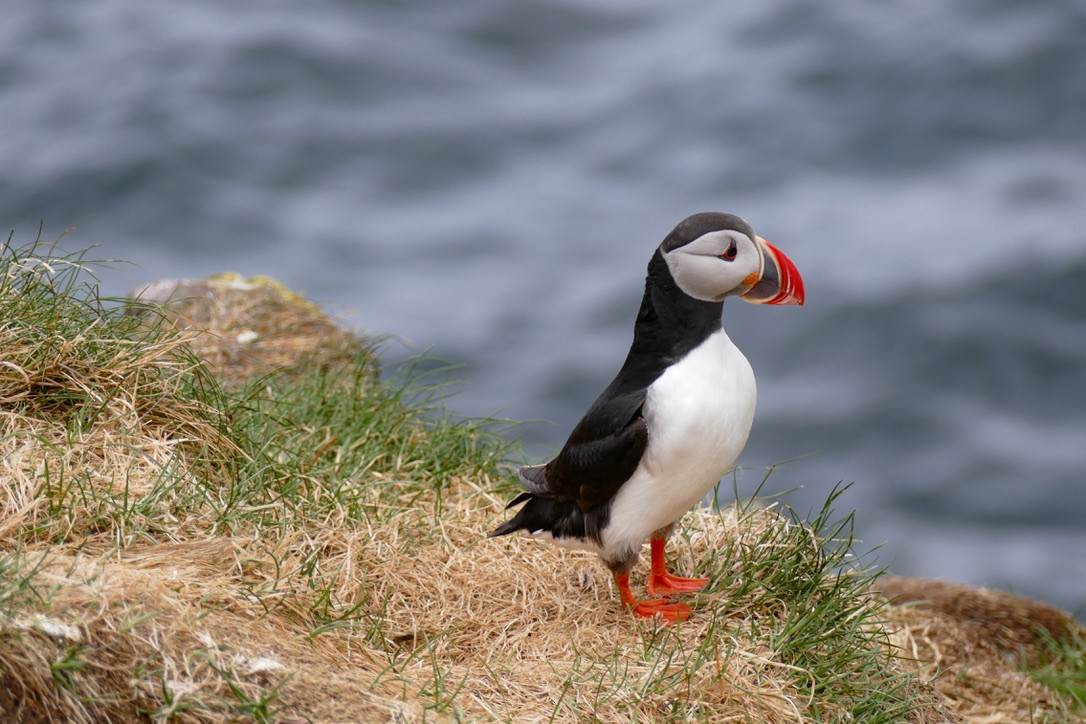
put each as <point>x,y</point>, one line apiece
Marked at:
<point>699,413</point>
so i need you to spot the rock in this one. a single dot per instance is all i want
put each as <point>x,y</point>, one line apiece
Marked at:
<point>249,326</point>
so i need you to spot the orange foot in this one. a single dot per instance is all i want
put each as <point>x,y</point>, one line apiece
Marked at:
<point>661,582</point>
<point>666,609</point>
<point>670,611</point>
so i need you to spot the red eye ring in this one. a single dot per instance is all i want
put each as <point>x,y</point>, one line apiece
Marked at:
<point>731,253</point>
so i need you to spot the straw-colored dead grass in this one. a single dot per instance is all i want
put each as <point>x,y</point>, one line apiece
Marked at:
<point>974,646</point>
<point>138,580</point>
<point>546,624</point>
<point>161,631</point>
<point>512,629</point>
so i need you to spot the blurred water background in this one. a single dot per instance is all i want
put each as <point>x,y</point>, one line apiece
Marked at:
<point>487,179</point>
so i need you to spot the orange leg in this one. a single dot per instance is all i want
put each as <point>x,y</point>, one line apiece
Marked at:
<point>668,610</point>
<point>661,582</point>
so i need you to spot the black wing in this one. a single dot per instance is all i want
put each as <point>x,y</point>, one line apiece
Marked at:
<point>601,454</point>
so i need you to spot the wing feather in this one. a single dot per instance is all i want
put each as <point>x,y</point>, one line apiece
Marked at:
<point>602,453</point>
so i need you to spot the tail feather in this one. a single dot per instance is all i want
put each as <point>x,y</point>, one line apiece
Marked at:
<point>518,500</point>
<point>560,518</point>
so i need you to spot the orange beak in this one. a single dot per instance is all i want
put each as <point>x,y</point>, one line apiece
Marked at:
<point>779,282</point>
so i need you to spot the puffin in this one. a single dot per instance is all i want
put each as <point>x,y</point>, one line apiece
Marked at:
<point>674,419</point>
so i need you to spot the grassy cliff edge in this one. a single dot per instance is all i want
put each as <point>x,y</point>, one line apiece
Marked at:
<point>190,537</point>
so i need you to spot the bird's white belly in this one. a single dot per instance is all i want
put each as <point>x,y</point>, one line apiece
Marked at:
<point>699,413</point>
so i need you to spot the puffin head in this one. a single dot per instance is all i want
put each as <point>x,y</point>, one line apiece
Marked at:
<point>712,256</point>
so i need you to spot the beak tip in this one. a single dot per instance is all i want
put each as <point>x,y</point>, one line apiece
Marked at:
<point>799,296</point>
<point>784,286</point>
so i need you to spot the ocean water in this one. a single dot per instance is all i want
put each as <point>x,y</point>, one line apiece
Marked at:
<point>488,179</point>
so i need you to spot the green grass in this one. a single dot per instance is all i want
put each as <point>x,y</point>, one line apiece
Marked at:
<point>829,629</point>
<point>18,572</point>
<point>333,446</point>
<point>1065,672</point>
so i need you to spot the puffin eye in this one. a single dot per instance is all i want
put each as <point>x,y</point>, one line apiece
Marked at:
<point>731,253</point>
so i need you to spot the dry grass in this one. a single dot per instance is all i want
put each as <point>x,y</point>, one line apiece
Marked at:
<point>311,547</point>
<point>977,648</point>
<point>473,628</point>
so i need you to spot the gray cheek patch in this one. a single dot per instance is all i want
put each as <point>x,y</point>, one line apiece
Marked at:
<point>701,274</point>
<point>694,275</point>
